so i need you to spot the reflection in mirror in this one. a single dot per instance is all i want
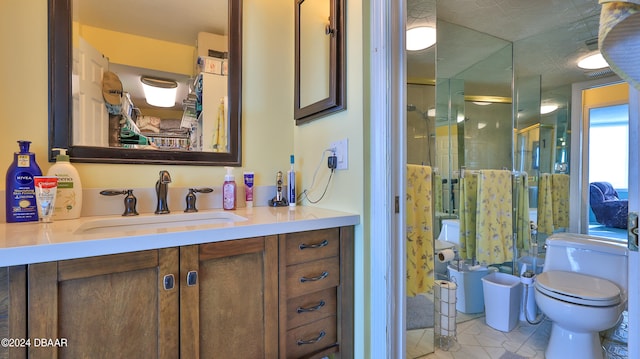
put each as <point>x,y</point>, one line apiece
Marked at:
<point>315,49</point>
<point>196,54</point>
<point>473,105</point>
<point>466,121</point>
<point>320,86</point>
<point>421,159</point>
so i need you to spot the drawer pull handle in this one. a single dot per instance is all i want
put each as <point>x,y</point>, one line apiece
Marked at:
<point>314,279</point>
<point>312,341</point>
<point>316,245</point>
<point>311,309</point>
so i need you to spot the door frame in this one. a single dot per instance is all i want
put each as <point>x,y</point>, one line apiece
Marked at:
<point>634,205</point>
<point>385,307</point>
<point>579,159</point>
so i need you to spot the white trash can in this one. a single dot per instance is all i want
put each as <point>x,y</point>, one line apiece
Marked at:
<point>502,295</point>
<point>470,298</point>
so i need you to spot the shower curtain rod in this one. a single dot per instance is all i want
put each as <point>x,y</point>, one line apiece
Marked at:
<point>475,172</point>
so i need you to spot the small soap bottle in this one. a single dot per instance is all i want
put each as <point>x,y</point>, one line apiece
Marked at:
<point>229,190</point>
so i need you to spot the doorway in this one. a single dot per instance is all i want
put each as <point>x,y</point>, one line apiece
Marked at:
<point>608,169</point>
<point>604,165</point>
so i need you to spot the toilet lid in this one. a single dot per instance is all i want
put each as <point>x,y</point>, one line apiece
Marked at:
<point>578,288</point>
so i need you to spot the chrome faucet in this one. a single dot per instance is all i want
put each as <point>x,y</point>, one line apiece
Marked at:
<point>162,188</point>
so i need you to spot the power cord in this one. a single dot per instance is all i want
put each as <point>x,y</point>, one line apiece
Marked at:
<point>332,164</point>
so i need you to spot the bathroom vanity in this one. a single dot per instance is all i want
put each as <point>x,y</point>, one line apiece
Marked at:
<point>262,283</point>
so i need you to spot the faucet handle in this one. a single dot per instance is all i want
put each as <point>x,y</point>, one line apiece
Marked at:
<point>130,200</point>
<point>191,198</point>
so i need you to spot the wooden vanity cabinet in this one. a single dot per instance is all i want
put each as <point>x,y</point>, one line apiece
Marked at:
<point>230,299</point>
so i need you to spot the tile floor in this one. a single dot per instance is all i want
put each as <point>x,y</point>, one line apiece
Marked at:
<point>476,340</point>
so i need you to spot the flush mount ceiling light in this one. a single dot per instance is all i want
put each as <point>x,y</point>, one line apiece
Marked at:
<point>545,109</point>
<point>481,103</point>
<point>159,92</point>
<point>593,62</point>
<point>420,38</point>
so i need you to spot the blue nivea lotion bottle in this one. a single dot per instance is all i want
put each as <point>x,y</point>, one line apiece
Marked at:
<point>21,195</point>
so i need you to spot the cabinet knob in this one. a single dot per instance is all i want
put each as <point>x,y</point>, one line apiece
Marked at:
<point>168,282</point>
<point>192,278</point>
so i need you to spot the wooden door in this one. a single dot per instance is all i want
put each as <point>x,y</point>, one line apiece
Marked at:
<point>230,310</point>
<point>112,306</point>
<point>89,111</point>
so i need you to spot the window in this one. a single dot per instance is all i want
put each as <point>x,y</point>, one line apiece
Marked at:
<point>609,145</point>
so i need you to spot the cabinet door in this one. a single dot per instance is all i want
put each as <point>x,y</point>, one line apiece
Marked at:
<point>230,308</point>
<point>116,306</point>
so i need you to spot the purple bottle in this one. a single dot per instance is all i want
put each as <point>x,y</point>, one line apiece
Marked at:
<point>20,190</point>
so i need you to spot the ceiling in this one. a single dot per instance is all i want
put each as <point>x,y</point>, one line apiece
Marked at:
<point>548,36</point>
<point>170,20</point>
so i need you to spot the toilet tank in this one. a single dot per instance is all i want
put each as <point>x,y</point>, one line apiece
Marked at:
<point>450,231</point>
<point>595,256</point>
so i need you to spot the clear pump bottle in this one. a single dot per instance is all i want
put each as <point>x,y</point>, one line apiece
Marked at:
<point>229,190</point>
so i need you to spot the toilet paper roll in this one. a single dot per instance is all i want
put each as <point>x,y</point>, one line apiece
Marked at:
<point>446,255</point>
<point>445,291</point>
<point>448,327</point>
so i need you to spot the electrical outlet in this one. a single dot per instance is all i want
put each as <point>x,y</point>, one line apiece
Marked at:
<point>341,148</point>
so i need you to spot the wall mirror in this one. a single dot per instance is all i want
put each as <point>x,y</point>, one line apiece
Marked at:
<point>320,87</point>
<point>67,118</point>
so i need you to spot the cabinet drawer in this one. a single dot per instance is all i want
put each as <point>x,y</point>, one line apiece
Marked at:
<point>307,246</point>
<point>312,276</point>
<point>312,337</point>
<point>308,308</point>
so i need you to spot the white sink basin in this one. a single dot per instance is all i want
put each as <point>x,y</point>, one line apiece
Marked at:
<point>156,221</point>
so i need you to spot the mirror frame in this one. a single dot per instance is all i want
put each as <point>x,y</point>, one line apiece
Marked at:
<point>60,101</point>
<point>337,99</point>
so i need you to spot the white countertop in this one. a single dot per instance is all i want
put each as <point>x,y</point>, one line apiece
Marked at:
<point>33,242</point>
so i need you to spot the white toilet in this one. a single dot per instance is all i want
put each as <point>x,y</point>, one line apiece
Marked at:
<point>583,290</point>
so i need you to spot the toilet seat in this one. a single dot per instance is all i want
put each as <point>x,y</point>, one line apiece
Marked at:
<point>578,288</point>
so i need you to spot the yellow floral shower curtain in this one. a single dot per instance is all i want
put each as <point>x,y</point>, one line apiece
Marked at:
<point>419,222</point>
<point>468,205</point>
<point>486,216</point>
<point>553,202</point>
<point>523,227</point>
<point>494,232</point>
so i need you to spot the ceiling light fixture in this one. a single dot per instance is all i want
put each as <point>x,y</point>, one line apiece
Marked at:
<point>593,62</point>
<point>545,109</point>
<point>420,38</point>
<point>481,103</point>
<point>159,92</point>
